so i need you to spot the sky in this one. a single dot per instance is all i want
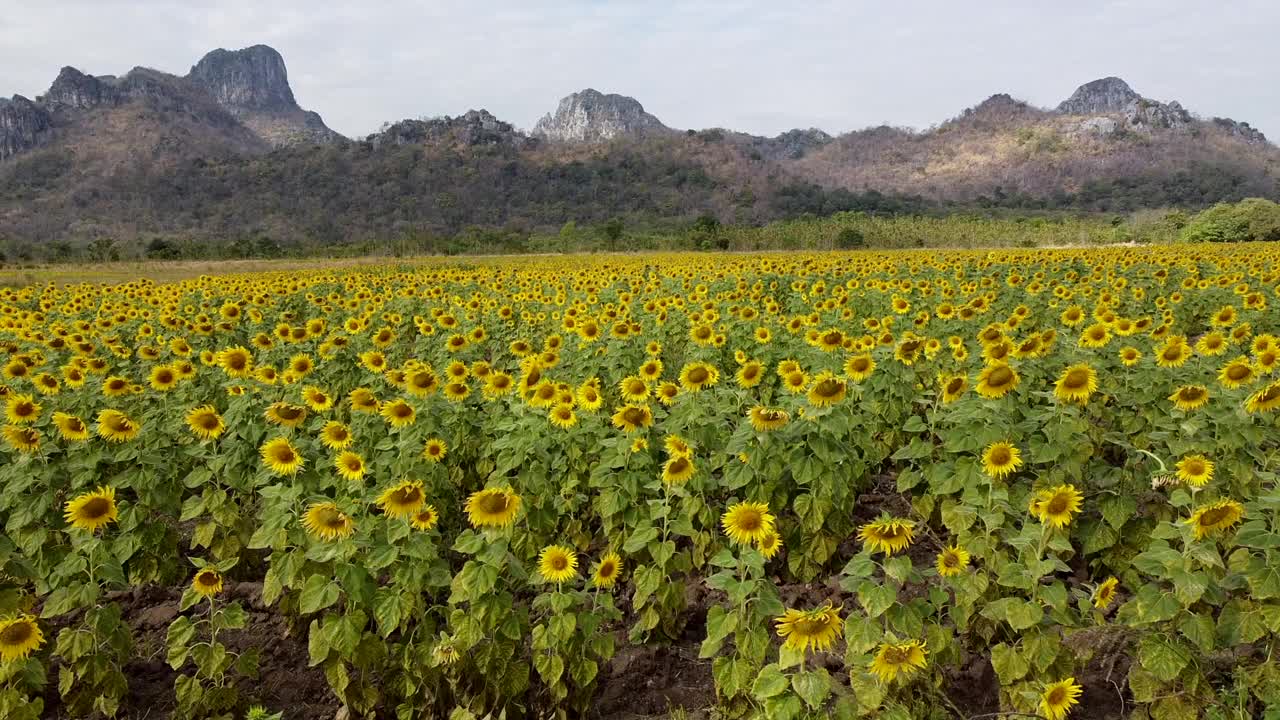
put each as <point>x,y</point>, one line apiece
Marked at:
<point>750,65</point>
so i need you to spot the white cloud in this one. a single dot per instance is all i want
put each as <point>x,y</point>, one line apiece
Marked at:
<point>745,64</point>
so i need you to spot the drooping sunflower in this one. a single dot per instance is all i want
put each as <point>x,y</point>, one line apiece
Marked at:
<point>697,376</point>
<point>71,427</point>
<point>425,518</point>
<point>21,409</point>
<point>952,561</point>
<point>898,659</point>
<point>1001,459</point>
<point>996,381</point>
<point>493,507</point>
<point>1106,593</point>
<point>607,571</point>
<point>402,500</point>
<point>767,419</point>
<point>827,390</point>
<point>285,414</point>
<point>350,465</point>
<point>747,522</point>
<point>558,564</point>
<point>1056,506</point>
<point>1237,373</point>
<point>1195,470</point>
<point>279,455</point>
<point>678,470</point>
<point>92,510</point>
<point>398,413</point>
<point>117,427</point>
<point>326,521</point>
<point>207,582</point>
<point>1215,517</point>
<point>1058,698</point>
<point>1190,397</point>
<point>630,418</point>
<point>677,446</point>
<point>19,637</point>
<point>363,401</point>
<point>1076,384</point>
<point>205,422</point>
<point>887,535</point>
<point>803,629</point>
<point>953,387</point>
<point>22,439</point>
<point>434,449</point>
<point>1264,400</point>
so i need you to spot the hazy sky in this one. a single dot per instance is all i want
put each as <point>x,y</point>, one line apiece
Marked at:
<point>757,66</point>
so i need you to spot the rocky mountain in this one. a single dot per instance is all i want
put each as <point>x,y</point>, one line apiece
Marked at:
<point>471,129</point>
<point>591,116</point>
<point>1106,95</point>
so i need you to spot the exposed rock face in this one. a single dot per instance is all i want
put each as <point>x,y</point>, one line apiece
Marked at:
<point>74,89</point>
<point>1108,95</point>
<point>1144,114</point>
<point>253,85</point>
<point>23,125</point>
<point>1242,130</point>
<point>475,127</point>
<point>591,116</point>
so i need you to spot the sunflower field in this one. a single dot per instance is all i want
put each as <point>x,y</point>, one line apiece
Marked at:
<point>892,485</point>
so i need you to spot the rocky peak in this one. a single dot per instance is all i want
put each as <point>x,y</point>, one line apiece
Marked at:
<point>254,78</point>
<point>75,89</point>
<point>1242,130</point>
<point>473,128</point>
<point>591,116</point>
<point>1107,95</point>
<point>23,125</point>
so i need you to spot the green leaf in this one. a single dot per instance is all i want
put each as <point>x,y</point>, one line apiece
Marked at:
<point>1008,663</point>
<point>769,682</point>
<point>387,610</point>
<point>1160,658</point>
<point>812,687</point>
<point>876,598</point>
<point>719,625</point>
<point>1199,629</point>
<point>1022,614</point>
<point>318,593</point>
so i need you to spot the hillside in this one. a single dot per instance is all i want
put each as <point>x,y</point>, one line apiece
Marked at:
<point>225,154</point>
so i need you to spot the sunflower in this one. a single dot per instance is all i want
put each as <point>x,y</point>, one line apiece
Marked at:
<point>1105,594</point>
<point>1237,373</point>
<point>434,449</point>
<point>1195,470</point>
<point>493,507</point>
<point>398,413</point>
<point>1174,354</point>
<point>363,401</point>
<point>92,510</point>
<point>678,470</point>
<point>205,422</point>
<point>996,381</point>
<point>1130,356</point>
<point>952,561</point>
<point>350,466</point>
<point>71,427</point>
<point>336,436</point>
<point>1076,384</point>
<point>19,637</point>
<point>22,439</point>
<point>316,399</point>
<point>558,564</point>
<point>1058,698</point>
<point>803,629</point>
<point>1001,459</point>
<point>769,545</point>
<point>1095,336</point>
<point>163,378</point>
<point>281,457</point>
<point>285,415</point>
<point>404,499</point>
<point>236,362</point>
<point>115,386</point>
<point>750,374</point>
<point>630,418</point>
<point>677,446</point>
<point>425,518</point>
<point>827,390</point>
<point>747,522</point>
<point>767,419</point>
<point>953,387</point>
<point>327,522</point>
<point>859,367</point>
<point>698,375</point>
<point>1209,519</point>
<point>1056,506</point>
<point>607,571</point>
<point>562,416</point>
<point>1190,397</point>
<point>207,582</point>
<point>21,409</point>
<point>117,427</point>
<point>1264,400</point>
<point>456,392</point>
<point>634,389</point>
<point>894,659</point>
<point>887,535</point>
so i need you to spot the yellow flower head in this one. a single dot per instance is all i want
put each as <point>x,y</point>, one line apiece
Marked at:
<point>327,522</point>
<point>952,561</point>
<point>898,659</point>
<point>117,427</point>
<point>281,457</point>
<point>558,564</point>
<point>1000,460</point>
<point>887,535</point>
<point>1058,698</point>
<point>493,507</point>
<point>1105,594</point>
<point>1076,384</point>
<point>607,571</point>
<point>92,510</point>
<point>1195,470</point>
<point>804,629</point>
<point>1056,506</point>
<point>747,522</point>
<point>1214,518</point>
<point>402,500</point>
<point>205,422</point>
<point>207,582</point>
<point>19,637</point>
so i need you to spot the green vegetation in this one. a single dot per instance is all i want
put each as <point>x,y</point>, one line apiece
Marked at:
<point>1249,220</point>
